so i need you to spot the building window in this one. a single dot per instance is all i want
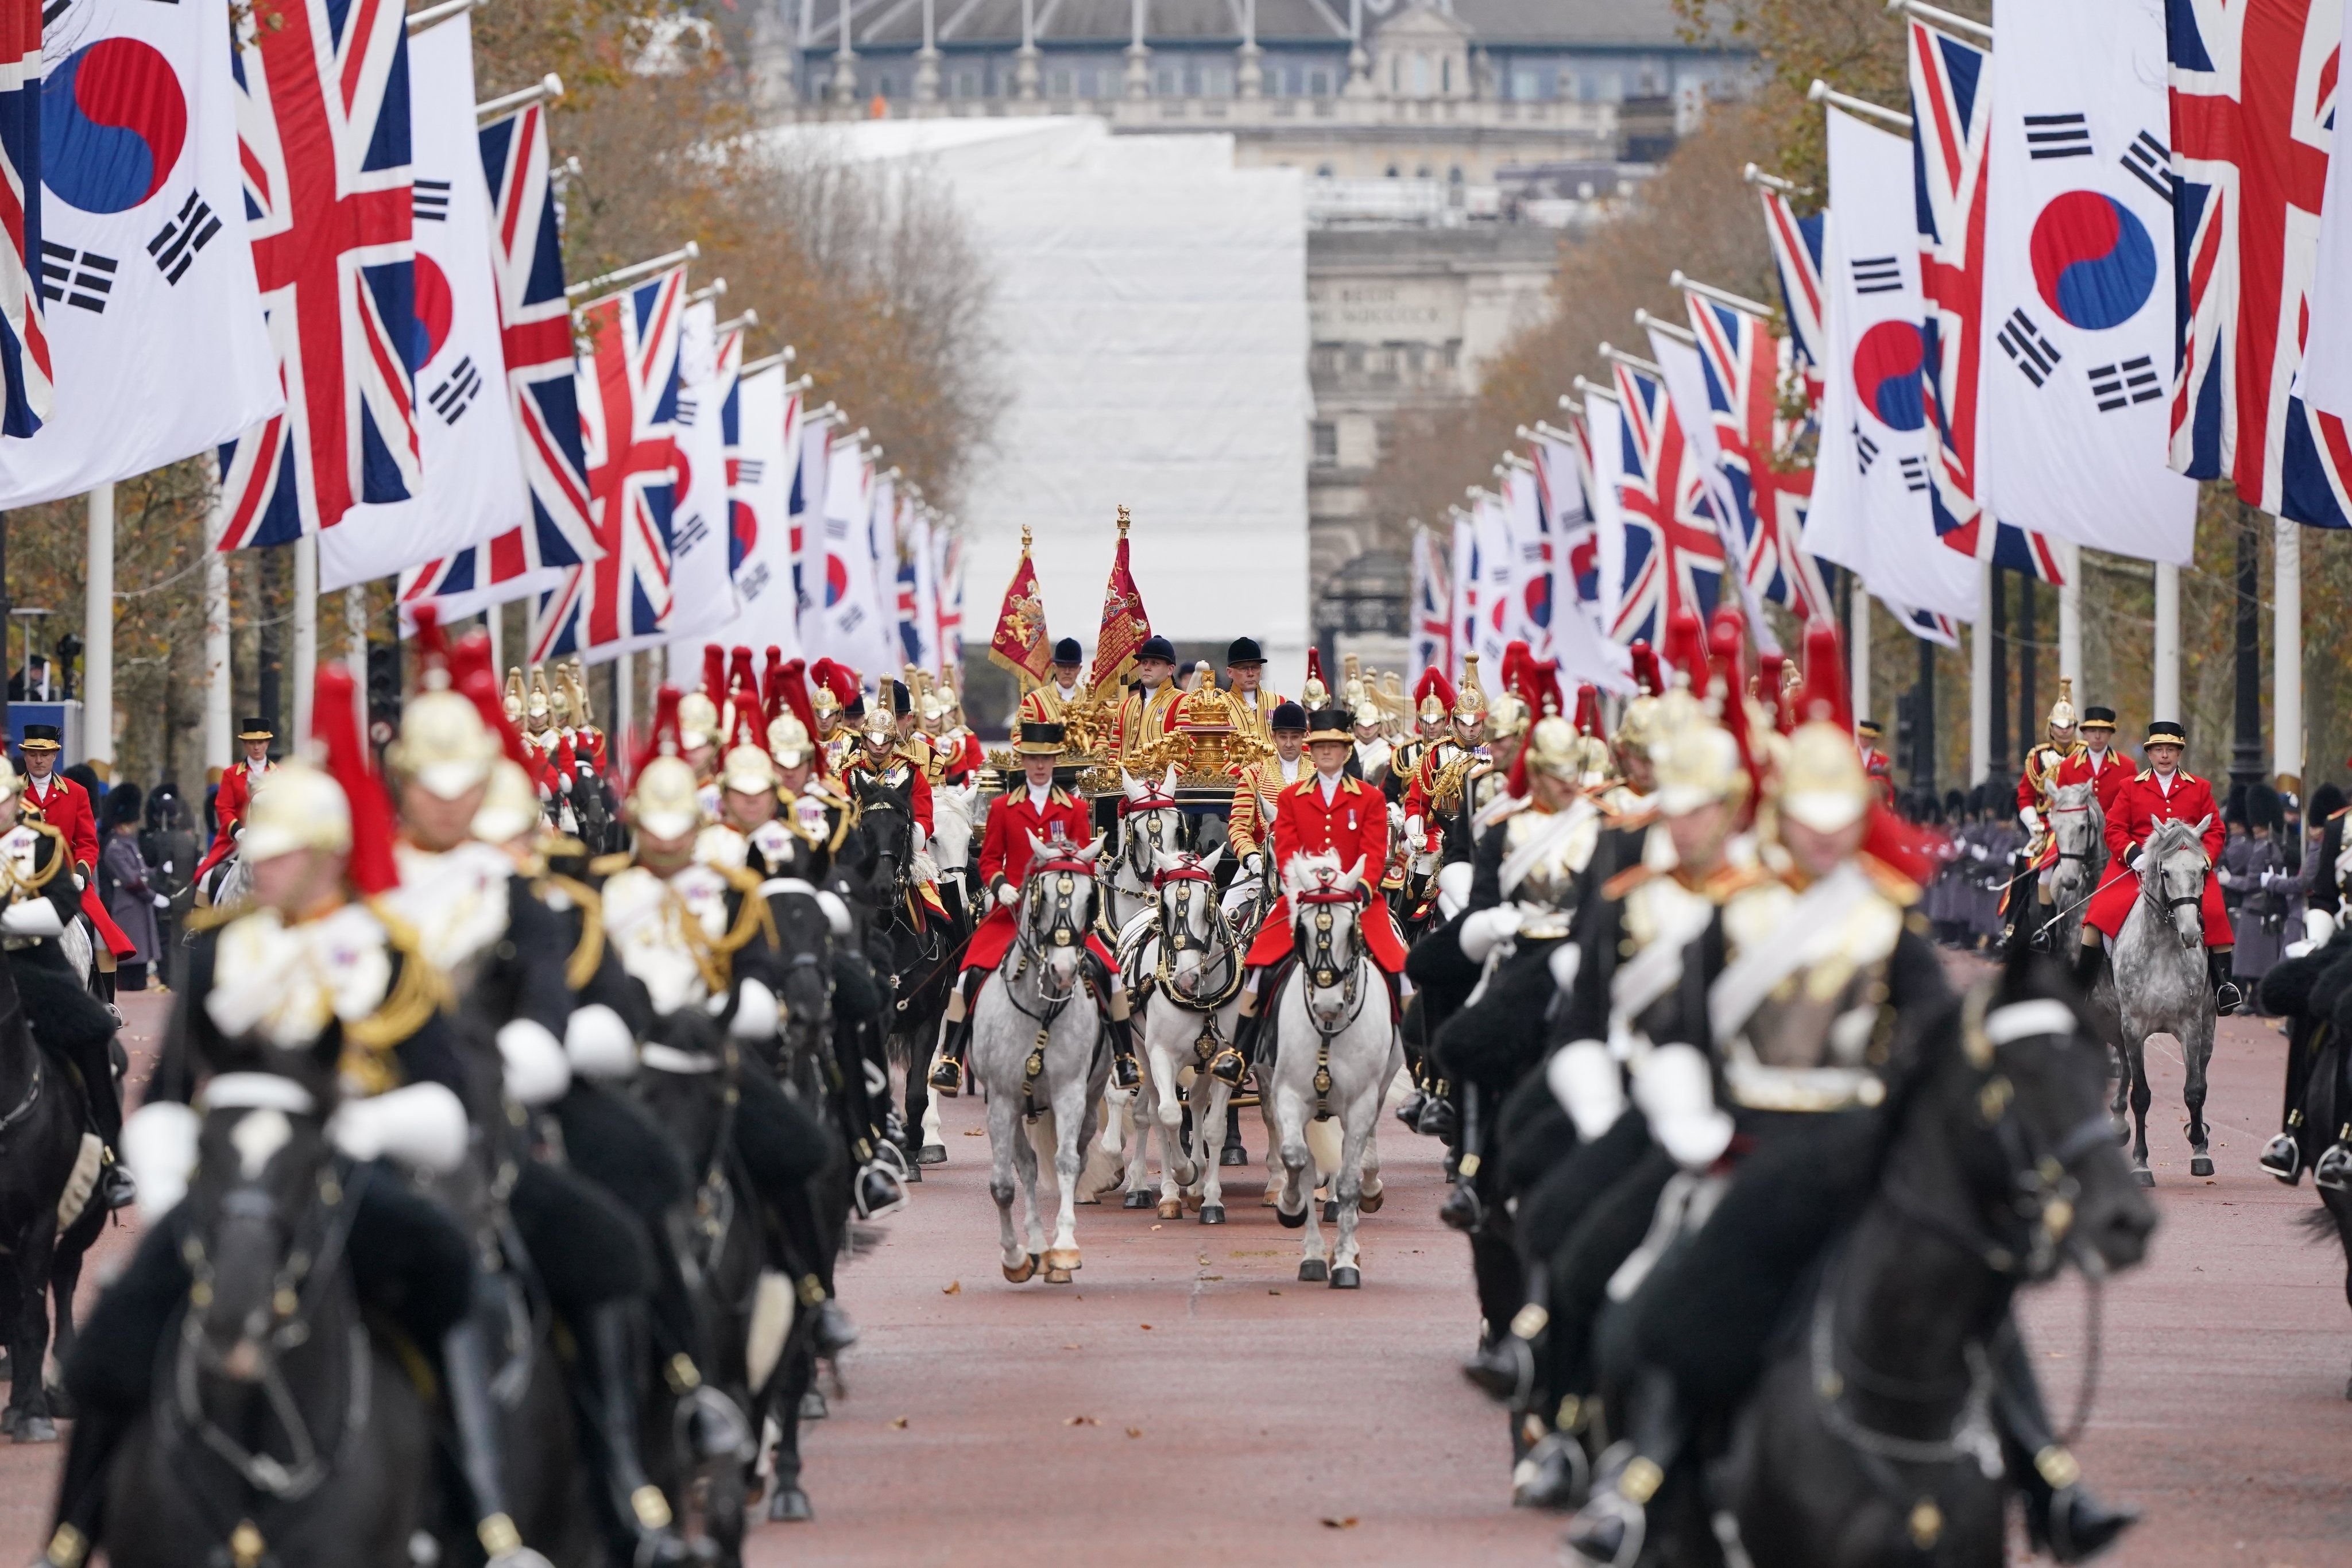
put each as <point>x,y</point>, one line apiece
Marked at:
<point>1169,82</point>
<point>888,87</point>
<point>1354,362</point>
<point>1090,83</point>
<point>1525,85</point>
<point>1396,79</point>
<point>1318,84</point>
<point>1057,81</point>
<point>1425,173</point>
<point>1454,175</point>
<point>1392,171</point>
<point>1323,171</point>
<point>1326,443</point>
<point>1216,80</point>
<point>1421,75</point>
<point>967,84</point>
<point>1445,75</point>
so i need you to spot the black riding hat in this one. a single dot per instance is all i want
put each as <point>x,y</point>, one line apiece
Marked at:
<point>2166,732</point>
<point>1287,716</point>
<point>1067,652</point>
<point>1245,651</point>
<point>2097,718</point>
<point>1159,648</point>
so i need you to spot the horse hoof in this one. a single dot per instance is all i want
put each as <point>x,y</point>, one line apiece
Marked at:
<point>1020,1273</point>
<point>1268,1198</point>
<point>1346,1278</point>
<point>1172,1209</point>
<point>789,1506</point>
<point>1057,1276</point>
<point>1233,1155</point>
<point>1063,1258</point>
<point>1213,1214</point>
<point>33,1429</point>
<point>1290,1221</point>
<point>1138,1199</point>
<point>2144,1176</point>
<point>2201,1165</point>
<point>911,1176</point>
<point>1331,1211</point>
<point>932,1154</point>
<point>1314,1271</point>
<point>812,1406</point>
<point>1369,1202</point>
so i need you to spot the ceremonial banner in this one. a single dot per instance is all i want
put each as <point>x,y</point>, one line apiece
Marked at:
<point>323,125</point>
<point>26,392</point>
<point>1124,623</point>
<point>918,599</point>
<point>758,425</point>
<point>1432,600</point>
<point>1462,619</point>
<point>1743,362</point>
<point>1870,509</point>
<point>152,316</point>
<point>1561,472</point>
<point>1528,593</point>
<point>847,629</point>
<point>2327,349</point>
<point>1491,517</point>
<point>815,462</point>
<point>542,387</point>
<point>1604,445</point>
<point>949,587</point>
<point>1797,259</point>
<point>1673,550</point>
<point>1019,643</point>
<point>2079,280</point>
<point>2254,89</point>
<point>1736,535</point>
<point>882,520</point>
<point>702,585</point>
<point>1951,110</point>
<point>628,404</point>
<point>473,486</point>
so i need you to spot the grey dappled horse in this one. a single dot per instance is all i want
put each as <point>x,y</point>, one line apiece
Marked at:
<point>2158,984</point>
<point>1152,828</point>
<point>1037,1031</point>
<point>1193,960</point>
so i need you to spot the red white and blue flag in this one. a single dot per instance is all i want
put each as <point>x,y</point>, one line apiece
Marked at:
<point>1673,551</point>
<point>628,403</point>
<point>25,387</point>
<point>1433,608</point>
<point>322,123</point>
<point>1952,112</point>
<point>2254,89</point>
<point>1797,258</point>
<point>1742,361</point>
<point>535,327</point>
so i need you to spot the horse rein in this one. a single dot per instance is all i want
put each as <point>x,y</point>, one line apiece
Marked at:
<point>1182,879</point>
<point>1323,970</point>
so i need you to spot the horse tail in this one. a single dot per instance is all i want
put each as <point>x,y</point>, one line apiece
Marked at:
<point>2320,1226</point>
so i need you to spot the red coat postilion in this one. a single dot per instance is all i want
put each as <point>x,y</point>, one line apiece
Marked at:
<point>64,805</point>
<point>2141,802</point>
<point>1352,825</point>
<point>230,803</point>
<point>1004,856</point>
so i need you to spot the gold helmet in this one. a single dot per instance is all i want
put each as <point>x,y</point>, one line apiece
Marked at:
<point>878,728</point>
<point>558,702</point>
<point>1697,763</point>
<point>1508,717</point>
<point>510,807</point>
<point>665,804</point>
<point>824,703</point>
<point>788,741</point>
<point>1470,703</point>
<point>1554,747</point>
<point>747,769</point>
<point>9,783</point>
<point>1822,784</point>
<point>575,675</point>
<point>296,806</point>
<point>443,745</point>
<point>514,699</point>
<point>1392,702</point>
<point>2061,712</point>
<point>698,721</point>
<point>538,709</point>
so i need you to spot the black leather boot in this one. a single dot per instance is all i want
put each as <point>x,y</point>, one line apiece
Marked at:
<point>1232,1064</point>
<point>2061,1514</point>
<point>2227,998</point>
<point>947,1078</point>
<point>1463,1207</point>
<point>2090,962</point>
<point>466,1369</point>
<point>611,1354</point>
<point>1124,1073</point>
<point>1611,1527</point>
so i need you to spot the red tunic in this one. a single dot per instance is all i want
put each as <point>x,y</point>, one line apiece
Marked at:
<point>2139,805</point>
<point>1004,856</point>
<point>64,805</point>
<point>229,806</point>
<point>1354,825</point>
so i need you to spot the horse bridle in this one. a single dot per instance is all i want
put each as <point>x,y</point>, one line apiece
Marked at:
<point>1322,969</point>
<point>1055,878</point>
<point>1138,848</point>
<point>1183,880</point>
<point>2155,887</point>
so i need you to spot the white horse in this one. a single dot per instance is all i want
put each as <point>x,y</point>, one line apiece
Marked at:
<point>1193,961</point>
<point>1034,1033</point>
<point>1152,827</point>
<point>2159,981</point>
<point>1335,1051</point>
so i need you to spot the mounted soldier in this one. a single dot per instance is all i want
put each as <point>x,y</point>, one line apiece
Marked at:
<point>2164,791</point>
<point>2037,791</point>
<point>1441,772</point>
<point>1259,788</point>
<point>235,797</point>
<point>1244,676</point>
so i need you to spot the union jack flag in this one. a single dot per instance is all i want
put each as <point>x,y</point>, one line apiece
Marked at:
<point>1563,480</point>
<point>1797,258</point>
<point>628,403</point>
<point>1673,551</point>
<point>25,387</point>
<point>1952,112</point>
<point>535,330</point>
<point>1742,359</point>
<point>2253,102</point>
<point>726,383</point>
<point>322,135</point>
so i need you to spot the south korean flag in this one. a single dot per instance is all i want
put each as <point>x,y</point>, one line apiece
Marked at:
<point>2075,406</point>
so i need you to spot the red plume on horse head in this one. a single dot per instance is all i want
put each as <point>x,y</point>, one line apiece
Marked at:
<point>335,731</point>
<point>1822,698</point>
<point>1686,647</point>
<point>1646,678</point>
<point>432,673</point>
<point>714,673</point>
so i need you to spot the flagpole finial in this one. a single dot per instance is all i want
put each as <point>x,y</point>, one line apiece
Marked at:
<point>1024,540</point>
<point>1122,522</point>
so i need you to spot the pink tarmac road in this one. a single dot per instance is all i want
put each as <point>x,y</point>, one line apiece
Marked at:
<point>1188,1400</point>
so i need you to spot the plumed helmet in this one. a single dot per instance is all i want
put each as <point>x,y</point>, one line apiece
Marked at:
<point>1554,747</point>
<point>1470,702</point>
<point>788,741</point>
<point>1508,717</point>
<point>1822,784</point>
<point>664,802</point>
<point>1316,694</point>
<point>877,730</point>
<point>698,721</point>
<point>513,702</point>
<point>1697,765</point>
<point>1432,695</point>
<point>747,768</point>
<point>2062,715</point>
<point>296,806</point>
<point>510,806</point>
<point>539,710</point>
<point>443,745</point>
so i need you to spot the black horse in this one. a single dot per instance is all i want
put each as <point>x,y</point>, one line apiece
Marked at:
<point>1869,1437</point>
<point>44,1151</point>
<point>282,1429</point>
<point>914,953</point>
<point>2315,993</point>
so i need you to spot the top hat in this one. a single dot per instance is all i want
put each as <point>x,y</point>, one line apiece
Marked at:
<point>40,737</point>
<point>2166,732</point>
<point>256,729</point>
<point>1330,724</point>
<point>1039,740</point>
<point>2097,718</point>
<point>1868,728</point>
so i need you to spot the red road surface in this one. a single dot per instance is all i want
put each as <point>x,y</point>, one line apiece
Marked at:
<point>1254,1409</point>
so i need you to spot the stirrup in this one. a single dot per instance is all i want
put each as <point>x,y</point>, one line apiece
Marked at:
<point>1227,1067</point>
<point>947,1078</point>
<point>2228,999</point>
<point>2332,1170</point>
<point>1124,1073</point>
<point>2283,1158</point>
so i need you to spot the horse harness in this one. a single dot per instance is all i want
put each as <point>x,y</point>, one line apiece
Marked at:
<point>1054,880</point>
<point>1185,879</point>
<point>1325,968</point>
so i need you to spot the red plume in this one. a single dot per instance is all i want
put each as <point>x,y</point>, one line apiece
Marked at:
<point>1686,647</point>
<point>746,729</point>
<point>1725,646</point>
<point>1588,709</point>
<point>714,672</point>
<point>1315,667</point>
<point>1917,850</point>
<point>740,676</point>
<point>1768,682</point>
<point>771,684</point>
<point>796,697</point>
<point>1646,679</point>
<point>335,727</point>
<point>432,648</point>
<point>479,685</point>
<point>845,685</point>
<point>1824,696</point>
<point>663,739</point>
<point>1433,679</point>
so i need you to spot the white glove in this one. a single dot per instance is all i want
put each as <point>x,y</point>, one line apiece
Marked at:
<point>598,1044</point>
<point>1253,863</point>
<point>32,917</point>
<point>161,902</point>
<point>1007,895</point>
<point>922,839</point>
<point>2318,927</point>
<point>1587,1086</point>
<point>159,1149</point>
<point>1677,1092</point>
<point>537,1070</point>
<point>1415,838</point>
<point>1482,929</point>
<point>2031,818</point>
<point>755,1012</point>
<point>421,1126</point>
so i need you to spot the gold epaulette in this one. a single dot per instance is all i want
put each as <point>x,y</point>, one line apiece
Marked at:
<point>612,864</point>
<point>1892,884</point>
<point>751,919</point>
<point>589,951</point>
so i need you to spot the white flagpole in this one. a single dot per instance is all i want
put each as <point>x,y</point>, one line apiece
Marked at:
<point>306,629</point>
<point>2070,613</point>
<point>356,646</point>
<point>1980,682</point>
<point>217,728</point>
<point>97,637</point>
<point>2287,652</point>
<point>1858,653</point>
<point>2168,641</point>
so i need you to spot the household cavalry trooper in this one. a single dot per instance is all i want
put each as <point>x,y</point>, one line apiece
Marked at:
<point>881,758</point>
<point>74,1026</point>
<point>1433,697</point>
<point>1782,967</point>
<point>1373,752</point>
<point>2037,794</point>
<point>1043,704</point>
<point>1258,787</point>
<point>1152,706</point>
<point>1035,810</point>
<point>2163,792</point>
<point>1443,766</point>
<point>1325,813</point>
<point>484,928</point>
<point>1630,746</point>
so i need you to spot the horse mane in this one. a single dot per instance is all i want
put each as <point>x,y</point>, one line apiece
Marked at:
<point>2174,834</point>
<point>1303,874</point>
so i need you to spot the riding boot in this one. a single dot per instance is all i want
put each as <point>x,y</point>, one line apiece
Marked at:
<point>1124,1073</point>
<point>466,1367</point>
<point>1611,1527</point>
<point>2061,1514</point>
<point>947,1078</point>
<point>2227,998</point>
<point>2089,962</point>
<point>1233,1063</point>
<point>1438,1119</point>
<point>1463,1208</point>
<point>611,1354</point>
<point>2282,1155</point>
<point>98,1432</point>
